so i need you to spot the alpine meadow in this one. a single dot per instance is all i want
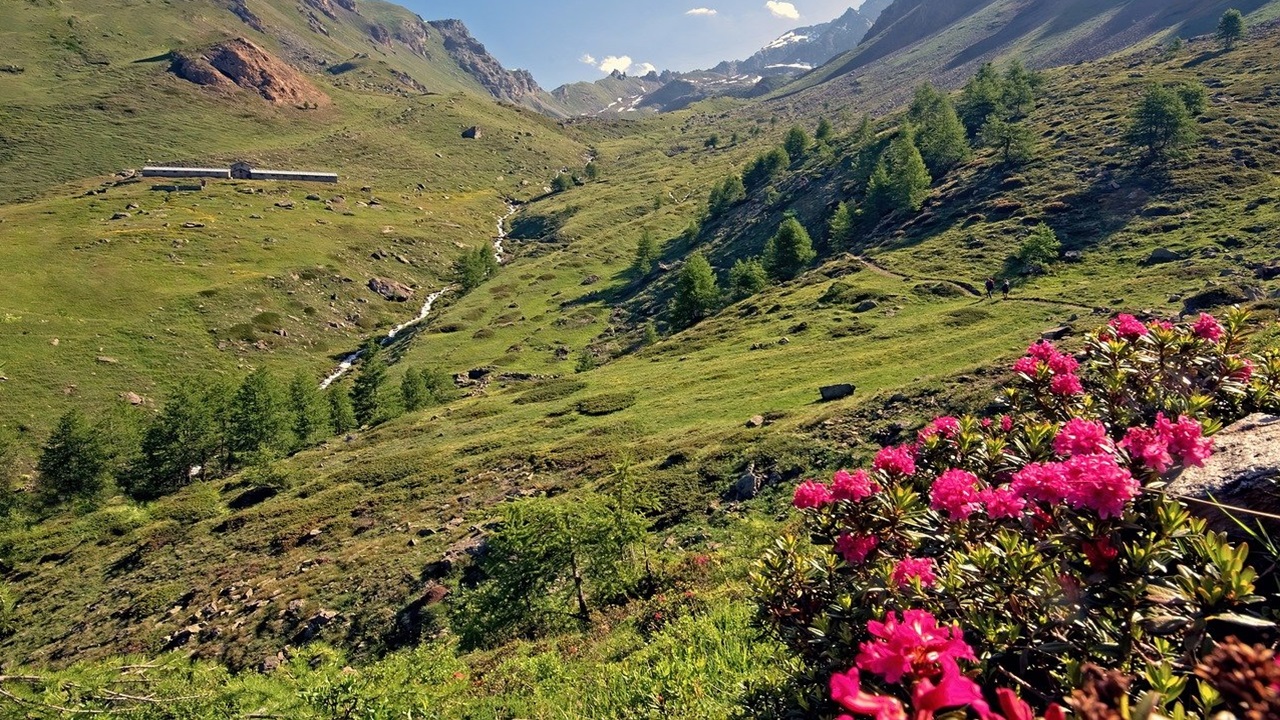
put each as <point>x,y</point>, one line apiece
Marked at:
<point>923,364</point>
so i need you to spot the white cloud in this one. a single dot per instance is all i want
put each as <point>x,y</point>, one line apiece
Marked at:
<point>587,59</point>
<point>614,62</point>
<point>643,68</point>
<point>706,12</point>
<point>783,10</point>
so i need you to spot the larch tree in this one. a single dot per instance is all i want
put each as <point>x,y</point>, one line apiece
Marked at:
<point>696,293</point>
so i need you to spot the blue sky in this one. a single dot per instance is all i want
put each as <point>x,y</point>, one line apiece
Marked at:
<point>553,39</point>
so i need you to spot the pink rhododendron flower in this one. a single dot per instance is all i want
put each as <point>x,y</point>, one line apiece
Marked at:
<point>1063,364</point>
<point>1186,440</point>
<point>1026,366</point>
<point>1160,325</point>
<point>946,426</point>
<point>910,567</point>
<point>1040,481</point>
<point>1006,423</point>
<point>956,493</point>
<point>1014,708</point>
<point>987,422</point>
<point>1002,502</point>
<point>1100,553</point>
<point>1149,446</point>
<point>846,690</point>
<point>1208,328</point>
<point>1096,482</point>
<point>912,646</point>
<point>855,549</point>
<point>810,494</point>
<point>898,460</point>
<point>1065,385</point>
<point>1082,437</point>
<point>952,691</point>
<point>853,486</point>
<point>1245,373</point>
<point>1044,351</point>
<point>1128,327</point>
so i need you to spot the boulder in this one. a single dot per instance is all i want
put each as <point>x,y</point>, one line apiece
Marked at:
<point>132,398</point>
<point>748,484</point>
<point>835,392</point>
<point>1161,255</point>
<point>1244,472</point>
<point>756,421</point>
<point>1056,333</point>
<point>866,306</point>
<point>391,290</point>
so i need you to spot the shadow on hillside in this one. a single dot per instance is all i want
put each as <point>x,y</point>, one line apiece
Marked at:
<point>1203,58</point>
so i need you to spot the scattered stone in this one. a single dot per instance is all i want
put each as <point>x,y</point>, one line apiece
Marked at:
<point>866,305</point>
<point>131,206</point>
<point>591,280</point>
<point>756,421</point>
<point>314,197</point>
<point>107,360</point>
<point>120,216</point>
<point>1242,473</point>
<point>748,485</point>
<point>1161,255</point>
<point>192,225</point>
<point>473,133</point>
<point>132,398</point>
<point>285,204</point>
<point>391,290</point>
<point>1056,333</point>
<point>835,392</point>
<point>54,342</point>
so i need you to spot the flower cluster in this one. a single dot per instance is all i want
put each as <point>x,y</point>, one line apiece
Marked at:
<point>1084,482</point>
<point>1159,446</point>
<point>1044,360</point>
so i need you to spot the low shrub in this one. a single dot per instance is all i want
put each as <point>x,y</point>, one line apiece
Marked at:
<point>606,404</point>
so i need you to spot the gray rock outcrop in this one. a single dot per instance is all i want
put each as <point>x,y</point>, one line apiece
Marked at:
<point>1244,472</point>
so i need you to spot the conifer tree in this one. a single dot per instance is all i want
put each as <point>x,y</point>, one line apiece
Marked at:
<point>650,334</point>
<point>366,392</point>
<point>474,267</point>
<point>259,419</point>
<point>1014,141</point>
<point>981,97</point>
<point>825,132</point>
<point>696,292</point>
<point>182,442</point>
<point>789,250</point>
<point>591,171</point>
<point>1230,29</point>
<point>307,410</point>
<point>1018,91</point>
<point>74,461</point>
<point>342,416</point>
<point>901,181</point>
<point>437,383</point>
<point>840,229</point>
<point>1161,123</point>
<point>646,253</point>
<point>766,167</point>
<point>746,278</point>
<point>796,143</point>
<point>413,393</point>
<point>940,136</point>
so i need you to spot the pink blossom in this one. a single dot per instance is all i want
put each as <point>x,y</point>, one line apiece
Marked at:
<point>1040,481</point>
<point>898,460</point>
<point>1063,364</point>
<point>1013,707</point>
<point>1096,482</point>
<point>1128,327</point>
<point>987,422</point>
<point>1208,328</point>
<point>910,567</point>
<point>1082,437</point>
<point>846,690</point>
<point>913,646</point>
<point>810,494</point>
<point>956,493</point>
<point>1065,385</point>
<point>1245,372</point>
<point>1006,423</point>
<point>1150,446</point>
<point>1160,325</point>
<point>946,426</point>
<point>853,486</point>
<point>855,549</point>
<point>1026,366</point>
<point>1186,440</point>
<point>1002,502</point>
<point>953,690</point>
<point>1044,351</point>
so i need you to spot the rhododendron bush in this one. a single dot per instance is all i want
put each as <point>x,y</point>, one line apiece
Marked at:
<point>988,568</point>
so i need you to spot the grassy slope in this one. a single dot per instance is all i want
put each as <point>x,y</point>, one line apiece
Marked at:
<point>440,470</point>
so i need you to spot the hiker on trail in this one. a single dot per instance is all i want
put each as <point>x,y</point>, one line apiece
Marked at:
<point>991,287</point>
<point>1004,288</point>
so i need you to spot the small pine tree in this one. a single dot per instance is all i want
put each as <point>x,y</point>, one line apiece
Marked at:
<point>185,440</point>
<point>437,383</point>
<point>586,361</point>
<point>901,181</point>
<point>591,171</point>
<point>1018,90</point>
<point>74,461</point>
<point>1230,29</point>
<point>766,167</point>
<point>366,391</point>
<point>840,229</point>
<point>981,97</point>
<point>1174,47</point>
<point>712,142</point>
<point>1161,123</point>
<point>307,410</point>
<point>734,139</point>
<point>1014,141</point>
<point>825,132</point>
<point>474,267</point>
<point>413,393</point>
<point>1194,97</point>
<point>789,250</point>
<point>940,135</point>
<point>562,182</point>
<point>725,195</point>
<point>342,416</point>
<point>646,253</point>
<point>650,335</point>
<point>796,143</point>
<point>696,292</point>
<point>259,417</point>
<point>746,278</point>
<point>1040,249</point>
